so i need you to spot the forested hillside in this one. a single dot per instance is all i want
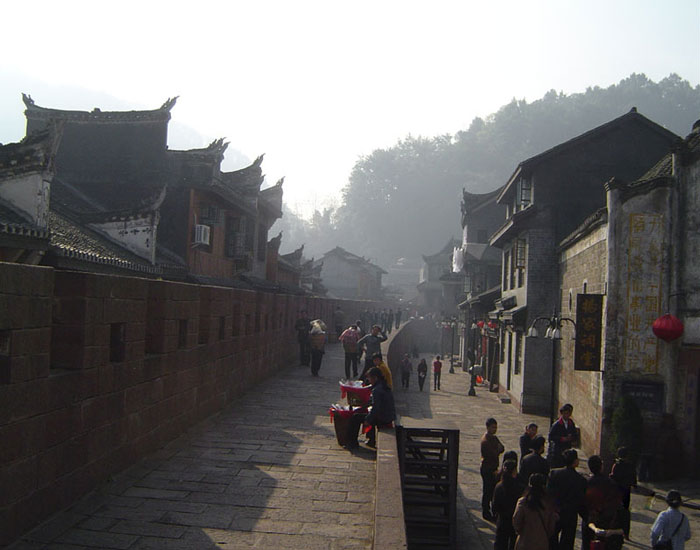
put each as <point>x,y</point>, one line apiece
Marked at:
<point>404,201</point>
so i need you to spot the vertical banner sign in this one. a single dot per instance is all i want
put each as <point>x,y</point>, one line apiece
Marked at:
<point>589,321</point>
<point>644,270</point>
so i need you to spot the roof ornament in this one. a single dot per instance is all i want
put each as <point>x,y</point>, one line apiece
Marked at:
<point>169,103</point>
<point>218,146</point>
<point>28,101</point>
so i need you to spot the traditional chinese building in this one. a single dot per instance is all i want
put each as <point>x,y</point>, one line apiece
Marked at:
<point>121,199</point>
<point>546,199</point>
<point>625,267</point>
<point>481,276</point>
<point>438,290</point>
<point>26,171</point>
<point>347,275</point>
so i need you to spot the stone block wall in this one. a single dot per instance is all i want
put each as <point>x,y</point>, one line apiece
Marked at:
<point>583,267</point>
<point>96,371</point>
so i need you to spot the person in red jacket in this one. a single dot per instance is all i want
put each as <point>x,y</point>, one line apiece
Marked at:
<point>437,371</point>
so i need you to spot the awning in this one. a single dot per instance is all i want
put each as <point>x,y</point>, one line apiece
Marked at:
<point>515,316</point>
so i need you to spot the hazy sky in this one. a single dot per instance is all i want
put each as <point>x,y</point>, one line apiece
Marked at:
<point>317,84</point>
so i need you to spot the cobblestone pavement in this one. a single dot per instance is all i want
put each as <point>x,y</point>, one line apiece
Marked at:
<point>267,473</point>
<point>451,407</point>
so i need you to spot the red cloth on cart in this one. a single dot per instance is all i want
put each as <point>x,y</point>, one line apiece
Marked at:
<point>362,392</point>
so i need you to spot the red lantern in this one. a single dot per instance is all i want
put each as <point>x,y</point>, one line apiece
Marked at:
<point>493,324</point>
<point>480,324</point>
<point>667,327</point>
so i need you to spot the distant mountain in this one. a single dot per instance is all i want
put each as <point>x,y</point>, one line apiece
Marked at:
<point>403,201</point>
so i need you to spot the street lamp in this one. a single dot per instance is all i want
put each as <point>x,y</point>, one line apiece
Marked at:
<point>453,324</point>
<point>553,332</point>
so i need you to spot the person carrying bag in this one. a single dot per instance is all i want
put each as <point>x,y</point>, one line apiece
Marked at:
<point>664,522</point>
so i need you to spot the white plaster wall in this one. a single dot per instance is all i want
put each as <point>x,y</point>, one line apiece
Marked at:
<point>29,194</point>
<point>138,235</point>
<point>339,276</point>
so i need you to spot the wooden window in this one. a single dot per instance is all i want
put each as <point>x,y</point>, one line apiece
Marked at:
<point>524,192</point>
<point>209,214</point>
<point>235,236</point>
<point>519,337</point>
<point>520,260</point>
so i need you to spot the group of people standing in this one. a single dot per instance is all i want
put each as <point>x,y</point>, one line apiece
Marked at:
<point>406,368</point>
<point>387,320</point>
<point>536,503</point>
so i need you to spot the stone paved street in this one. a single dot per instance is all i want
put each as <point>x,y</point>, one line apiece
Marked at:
<point>451,407</point>
<point>266,473</point>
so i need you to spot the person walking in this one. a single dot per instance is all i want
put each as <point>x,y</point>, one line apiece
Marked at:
<point>568,488</point>
<point>373,344</point>
<point>318,345</point>
<point>303,326</point>
<point>602,508</point>
<point>339,321</point>
<point>422,370</point>
<point>535,517</point>
<point>562,436</point>
<point>534,463</point>
<point>437,372</point>
<point>505,498</point>
<point>625,477</point>
<point>491,449</point>
<point>349,339</point>
<point>671,526</point>
<point>390,321</point>
<point>406,368</point>
<point>398,318</point>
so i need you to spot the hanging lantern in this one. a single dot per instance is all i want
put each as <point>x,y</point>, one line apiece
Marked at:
<point>668,327</point>
<point>480,324</point>
<point>493,325</point>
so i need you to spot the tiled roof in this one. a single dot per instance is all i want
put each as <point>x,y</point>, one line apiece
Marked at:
<point>664,168</point>
<point>34,111</point>
<point>12,223</point>
<point>70,240</point>
<point>33,153</point>
<point>632,115</point>
<point>246,180</point>
<point>352,258</point>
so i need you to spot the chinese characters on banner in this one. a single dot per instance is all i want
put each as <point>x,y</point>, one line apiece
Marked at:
<point>589,320</point>
<point>644,271</point>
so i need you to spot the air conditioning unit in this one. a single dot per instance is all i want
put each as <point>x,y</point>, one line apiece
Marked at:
<point>202,234</point>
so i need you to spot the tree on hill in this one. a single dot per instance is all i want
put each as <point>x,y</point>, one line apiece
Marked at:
<point>403,201</point>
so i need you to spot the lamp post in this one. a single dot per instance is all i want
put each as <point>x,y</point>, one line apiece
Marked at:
<point>453,325</point>
<point>472,347</point>
<point>553,332</point>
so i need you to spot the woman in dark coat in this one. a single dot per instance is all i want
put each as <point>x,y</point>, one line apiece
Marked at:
<point>505,498</point>
<point>422,373</point>
<point>383,410</point>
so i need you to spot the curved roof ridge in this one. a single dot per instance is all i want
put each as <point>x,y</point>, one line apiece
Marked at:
<point>97,115</point>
